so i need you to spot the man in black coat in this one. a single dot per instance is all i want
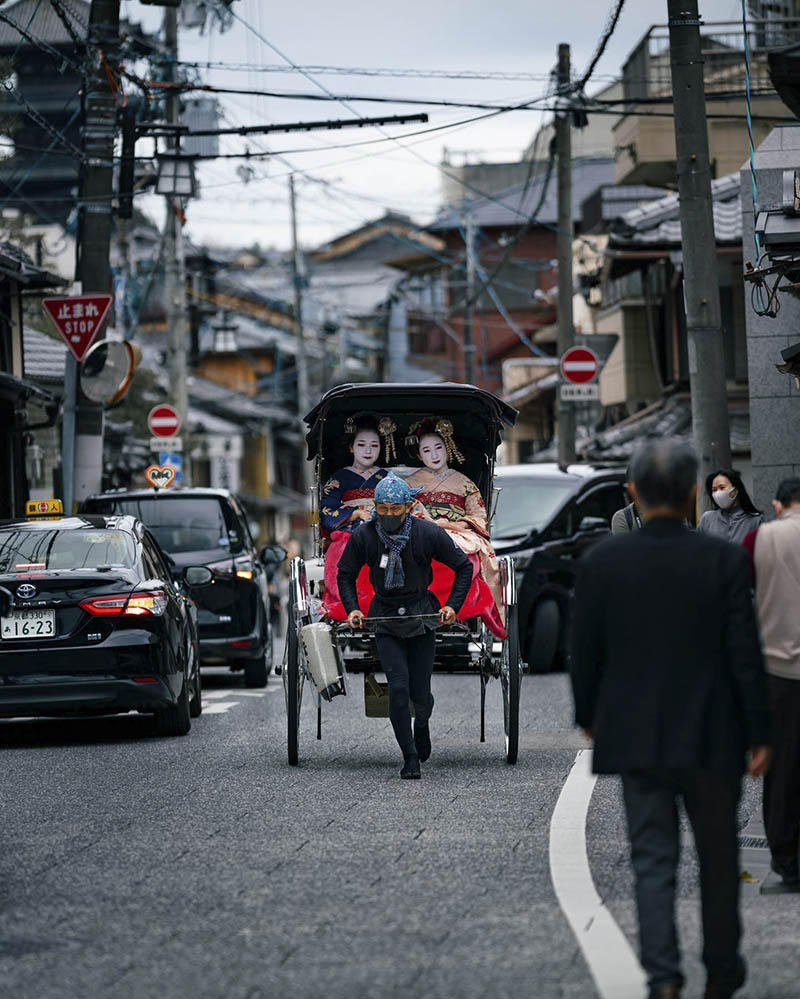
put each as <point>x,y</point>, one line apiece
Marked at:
<point>399,550</point>
<point>669,681</point>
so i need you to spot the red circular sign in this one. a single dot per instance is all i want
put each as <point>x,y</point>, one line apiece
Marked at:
<point>163,421</point>
<point>579,365</point>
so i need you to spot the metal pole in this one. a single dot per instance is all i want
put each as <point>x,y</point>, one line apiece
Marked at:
<point>82,427</point>
<point>301,365</point>
<point>566,330</point>
<point>700,282</point>
<point>175,266</point>
<point>68,434</point>
<point>469,310</point>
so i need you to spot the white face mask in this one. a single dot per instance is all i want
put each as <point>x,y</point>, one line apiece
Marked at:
<point>724,498</point>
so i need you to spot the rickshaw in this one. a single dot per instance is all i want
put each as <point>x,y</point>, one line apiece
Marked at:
<point>465,646</point>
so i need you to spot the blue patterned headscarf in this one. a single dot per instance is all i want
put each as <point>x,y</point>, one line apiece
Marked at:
<point>393,489</point>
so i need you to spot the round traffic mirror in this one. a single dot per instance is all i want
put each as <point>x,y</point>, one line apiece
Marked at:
<point>107,370</point>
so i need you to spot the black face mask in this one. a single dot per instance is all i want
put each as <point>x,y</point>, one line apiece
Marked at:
<point>391,522</point>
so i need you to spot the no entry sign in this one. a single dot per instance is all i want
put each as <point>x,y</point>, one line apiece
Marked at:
<point>78,319</point>
<point>579,365</point>
<point>163,421</point>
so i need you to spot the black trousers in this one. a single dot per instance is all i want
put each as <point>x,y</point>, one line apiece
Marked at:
<point>782,783</point>
<point>710,799</point>
<point>408,665</point>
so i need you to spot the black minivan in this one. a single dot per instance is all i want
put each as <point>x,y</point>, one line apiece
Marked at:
<point>197,526</point>
<point>546,517</point>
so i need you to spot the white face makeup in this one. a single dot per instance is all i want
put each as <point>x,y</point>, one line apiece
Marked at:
<point>366,448</point>
<point>432,452</point>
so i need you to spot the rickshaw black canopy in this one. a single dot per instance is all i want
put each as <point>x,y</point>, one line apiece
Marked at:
<point>478,419</point>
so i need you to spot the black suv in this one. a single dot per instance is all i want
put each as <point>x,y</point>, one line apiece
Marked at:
<point>208,527</point>
<point>545,517</point>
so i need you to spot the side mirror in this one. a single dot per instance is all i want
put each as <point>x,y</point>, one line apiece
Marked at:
<point>273,554</point>
<point>591,525</point>
<point>197,575</point>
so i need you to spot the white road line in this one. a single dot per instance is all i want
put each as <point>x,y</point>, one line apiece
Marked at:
<point>232,692</point>
<point>612,963</point>
<point>219,707</point>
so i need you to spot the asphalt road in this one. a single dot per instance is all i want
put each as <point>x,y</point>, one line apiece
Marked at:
<point>135,867</point>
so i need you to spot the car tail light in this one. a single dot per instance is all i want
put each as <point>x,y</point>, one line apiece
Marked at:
<point>150,603</point>
<point>242,643</point>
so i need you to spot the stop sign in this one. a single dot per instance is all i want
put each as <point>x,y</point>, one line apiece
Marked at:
<point>579,365</point>
<point>163,421</point>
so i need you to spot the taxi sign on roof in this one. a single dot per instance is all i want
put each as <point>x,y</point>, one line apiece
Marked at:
<point>44,508</point>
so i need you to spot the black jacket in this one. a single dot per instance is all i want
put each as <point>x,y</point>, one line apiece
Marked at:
<point>666,665</point>
<point>427,543</point>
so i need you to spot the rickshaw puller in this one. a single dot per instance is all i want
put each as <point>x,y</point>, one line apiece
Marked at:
<point>399,550</point>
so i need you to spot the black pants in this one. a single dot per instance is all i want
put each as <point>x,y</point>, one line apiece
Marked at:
<point>710,799</point>
<point>782,783</point>
<point>408,665</point>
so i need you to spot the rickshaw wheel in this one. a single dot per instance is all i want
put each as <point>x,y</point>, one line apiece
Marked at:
<point>511,682</point>
<point>293,686</point>
<point>294,671</point>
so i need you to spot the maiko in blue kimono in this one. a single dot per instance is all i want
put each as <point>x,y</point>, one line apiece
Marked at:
<point>348,495</point>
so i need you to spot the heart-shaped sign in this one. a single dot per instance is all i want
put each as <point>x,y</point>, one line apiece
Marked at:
<point>159,475</point>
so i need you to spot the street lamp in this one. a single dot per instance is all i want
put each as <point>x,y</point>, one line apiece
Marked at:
<point>175,176</point>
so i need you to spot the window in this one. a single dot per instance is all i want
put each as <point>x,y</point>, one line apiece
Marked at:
<point>48,548</point>
<point>601,502</point>
<point>183,523</point>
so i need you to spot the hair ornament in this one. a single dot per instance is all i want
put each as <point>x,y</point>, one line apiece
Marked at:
<point>387,428</point>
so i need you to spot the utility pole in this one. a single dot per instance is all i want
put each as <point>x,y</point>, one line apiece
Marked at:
<point>301,364</point>
<point>700,282</point>
<point>174,262</point>
<point>566,329</point>
<point>82,428</point>
<point>469,310</point>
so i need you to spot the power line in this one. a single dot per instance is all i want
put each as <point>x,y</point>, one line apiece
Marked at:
<point>406,73</point>
<point>611,25</point>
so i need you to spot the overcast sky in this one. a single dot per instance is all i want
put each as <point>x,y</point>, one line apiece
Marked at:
<point>474,35</point>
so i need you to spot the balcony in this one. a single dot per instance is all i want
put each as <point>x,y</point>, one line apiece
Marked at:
<point>645,144</point>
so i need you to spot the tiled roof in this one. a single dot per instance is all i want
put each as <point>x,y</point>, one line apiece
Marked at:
<point>45,357</point>
<point>515,205</point>
<point>659,224</point>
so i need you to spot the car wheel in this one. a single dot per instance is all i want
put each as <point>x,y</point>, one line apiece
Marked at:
<point>175,719</point>
<point>196,702</point>
<point>256,672</point>
<point>543,637</point>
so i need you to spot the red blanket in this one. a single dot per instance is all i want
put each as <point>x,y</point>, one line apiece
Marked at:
<point>479,602</point>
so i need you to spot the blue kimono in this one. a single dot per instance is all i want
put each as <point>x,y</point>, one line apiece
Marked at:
<point>344,492</point>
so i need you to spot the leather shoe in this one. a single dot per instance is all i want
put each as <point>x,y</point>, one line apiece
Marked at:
<point>410,769</point>
<point>422,740</point>
<point>665,992</point>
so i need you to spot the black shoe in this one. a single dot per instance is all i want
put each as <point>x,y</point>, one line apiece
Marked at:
<point>422,740</point>
<point>789,870</point>
<point>410,769</point>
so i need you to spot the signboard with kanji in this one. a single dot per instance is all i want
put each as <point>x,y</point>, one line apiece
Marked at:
<point>78,319</point>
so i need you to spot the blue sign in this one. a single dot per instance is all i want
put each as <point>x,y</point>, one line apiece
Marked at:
<point>174,458</point>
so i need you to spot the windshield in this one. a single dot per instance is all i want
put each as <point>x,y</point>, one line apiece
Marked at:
<point>182,524</point>
<point>42,550</point>
<point>527,504</point>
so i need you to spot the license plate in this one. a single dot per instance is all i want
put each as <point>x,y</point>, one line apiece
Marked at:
<point>28,624</point>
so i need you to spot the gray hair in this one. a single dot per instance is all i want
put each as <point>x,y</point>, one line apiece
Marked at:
<point>664,472</point>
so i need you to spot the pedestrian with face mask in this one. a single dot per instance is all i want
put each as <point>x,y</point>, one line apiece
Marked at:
<point>733,515</point>
<point>399,550</point>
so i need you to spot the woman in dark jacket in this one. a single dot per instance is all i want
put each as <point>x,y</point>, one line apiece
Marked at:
<point>733,514</point>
